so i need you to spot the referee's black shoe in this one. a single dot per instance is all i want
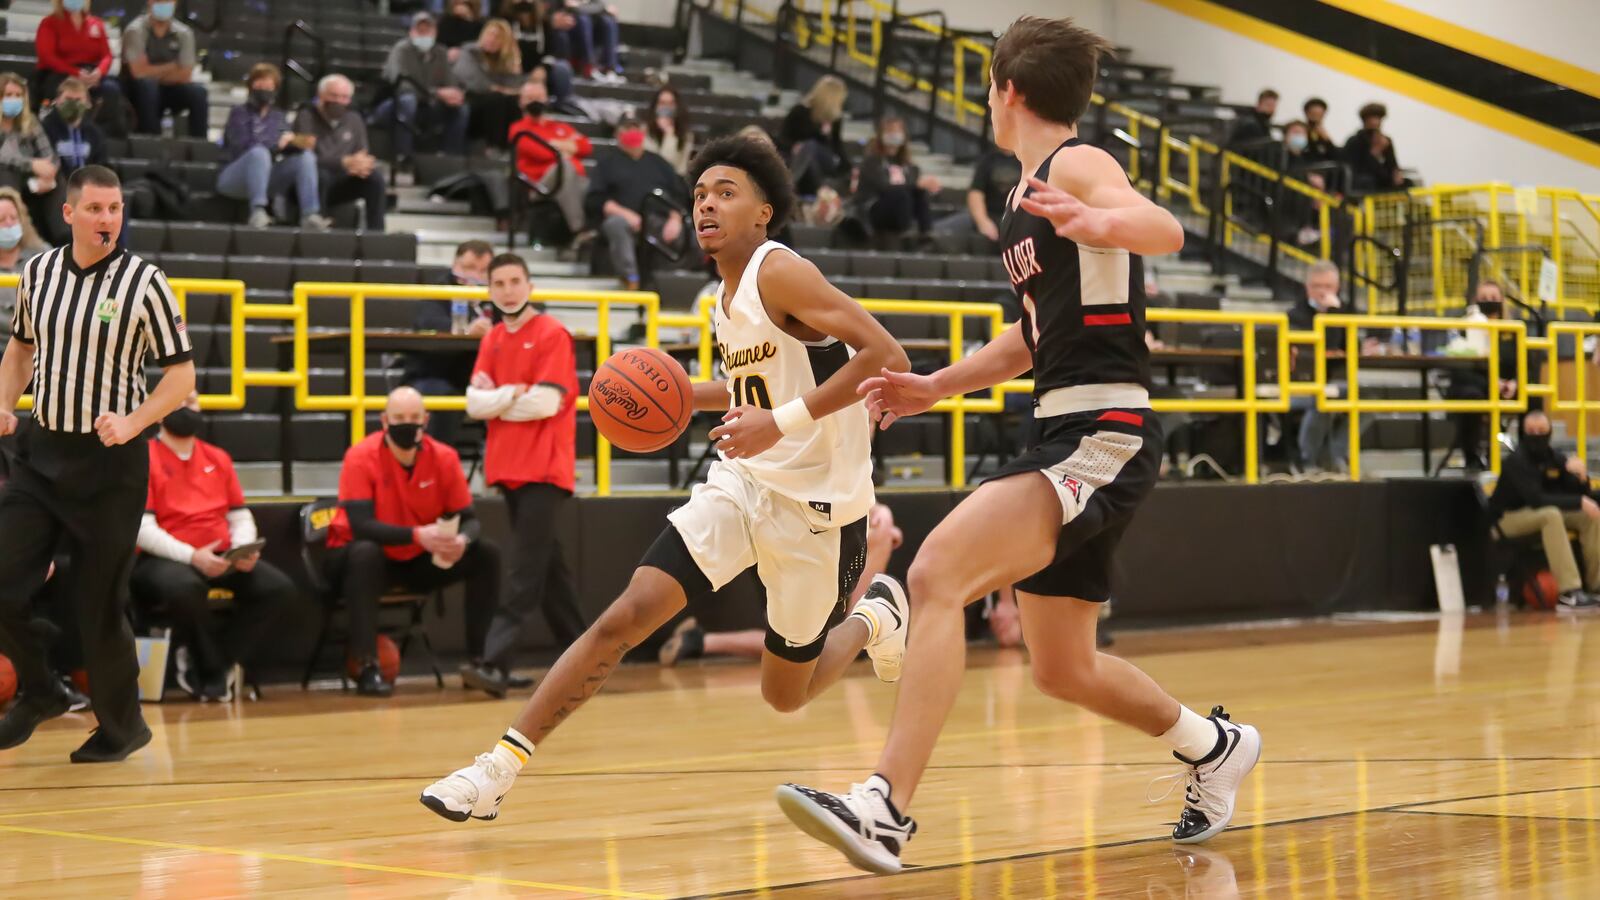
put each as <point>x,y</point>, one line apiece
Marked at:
<point>29,712</point>
<point>102,748</point>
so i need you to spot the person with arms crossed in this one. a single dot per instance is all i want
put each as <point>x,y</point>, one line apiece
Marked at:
<point>789,494</point>
<point>88,316</point>
<point>1050,520</point>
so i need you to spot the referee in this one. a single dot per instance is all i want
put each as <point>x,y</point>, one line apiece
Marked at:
<point>87,318</point>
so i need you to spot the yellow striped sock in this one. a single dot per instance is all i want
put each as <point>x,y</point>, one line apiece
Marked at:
<point>870,616</point>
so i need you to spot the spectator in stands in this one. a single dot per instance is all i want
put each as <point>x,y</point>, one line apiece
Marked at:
<point>257,131</point>
<point>195,515</point>
<point>1324,439</point>
<point>812,136</point>
<point>891,193</point>
<point>461,25</point>
<point>18,244</point>
<point>71,43</point>
<point>1370,153</point>
<point>525,386</point>
<point>417,66</point>
<point>490,70</point>
<point>666,125</point>
<point>1299,217</point>
<point>617,200</point>
<point>1473,384</point>
<point>536,163</point>
<point>78,142</point>
<point>995,174</point>
<point>406,521</point>
<point>1320,146</point>
<point>27,161</point>
<point>585,32</point>
<point>527,19</point>
<point>442,373</point>
<point>1544,492</point>
<point>1255,127</point>
<point>158,60</point>
<point>346,171</point>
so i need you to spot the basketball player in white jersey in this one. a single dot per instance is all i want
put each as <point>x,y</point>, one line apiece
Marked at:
<point>789,495</point>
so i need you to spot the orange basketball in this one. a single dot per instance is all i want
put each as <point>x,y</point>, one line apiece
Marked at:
<point>1540,591</point>
<point>641,399</point>
<point>8,681</point>
<point>388,660</point>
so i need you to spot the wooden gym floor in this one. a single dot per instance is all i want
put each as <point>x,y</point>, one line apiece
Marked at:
<point>1401,760</point>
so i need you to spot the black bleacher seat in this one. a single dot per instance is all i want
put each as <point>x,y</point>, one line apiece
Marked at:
<point>830,262</point>
<point>265,241</point>
<point>198,176</point>
<point>886,289</point>
<point>937,289</point>
<point>145,238</point>
<point>261,272</point>
<point>155,148</point>
<point>397,247</point>
<point>198,237</point>
<point>130,168</point>
<point>679,289</point>
<point>871,264</point>
<point>326,270</point>
<point>921,266</point>
<point>380,271</point>
<point>337,244</point>
<point>194,265</point>
<point>205,152</point>
<point>810,237</point>
<point>987,292</point>
<point>966,268</point>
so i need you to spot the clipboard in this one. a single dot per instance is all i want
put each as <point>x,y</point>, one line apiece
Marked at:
<point>234,554</point>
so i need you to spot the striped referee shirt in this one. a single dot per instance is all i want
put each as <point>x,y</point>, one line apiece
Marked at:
<point>93,329</point>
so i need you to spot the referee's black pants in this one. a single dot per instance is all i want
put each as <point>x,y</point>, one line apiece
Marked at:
<point>183,594</point>
<point>72,490</point>
<point>540,579</point>
<point>362,573</point>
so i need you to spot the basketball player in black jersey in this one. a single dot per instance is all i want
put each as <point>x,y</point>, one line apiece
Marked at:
<point>1050,520</point>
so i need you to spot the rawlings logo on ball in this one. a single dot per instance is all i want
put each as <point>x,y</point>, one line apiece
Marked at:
<point>618,398</point>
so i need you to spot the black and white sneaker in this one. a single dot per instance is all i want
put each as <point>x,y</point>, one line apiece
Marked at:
<point>1571,601</point>
<point>863,824</point>
<point>1211,784</point>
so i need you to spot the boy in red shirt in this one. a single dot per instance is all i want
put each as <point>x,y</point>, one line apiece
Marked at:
<point>524,386</point>
<point>196,513</point>
<point>71,43</point>
<point>395,490</point>
<point>537,164</point>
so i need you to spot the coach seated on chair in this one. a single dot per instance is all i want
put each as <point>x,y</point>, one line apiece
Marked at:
<point>1544,492</point>
<point>396,490</point>
<point>194,515</point>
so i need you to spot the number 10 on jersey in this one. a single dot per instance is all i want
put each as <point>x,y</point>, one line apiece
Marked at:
<point>751,390</point>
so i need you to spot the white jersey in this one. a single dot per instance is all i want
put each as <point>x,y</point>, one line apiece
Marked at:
<point>827,466</point>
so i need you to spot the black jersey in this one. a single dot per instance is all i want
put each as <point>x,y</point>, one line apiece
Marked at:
<point>1082,306</point>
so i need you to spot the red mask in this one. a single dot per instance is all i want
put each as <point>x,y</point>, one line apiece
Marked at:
<point>632,139</point>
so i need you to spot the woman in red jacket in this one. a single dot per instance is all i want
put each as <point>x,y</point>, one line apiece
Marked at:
<point>71,43</point>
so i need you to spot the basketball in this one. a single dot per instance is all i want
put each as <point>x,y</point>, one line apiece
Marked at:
<point>1540,592</point>
<point>388,660</point>
<point>641,399</point>
<point>8,681</point>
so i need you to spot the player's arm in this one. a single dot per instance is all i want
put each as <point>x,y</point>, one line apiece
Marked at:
<point>895,395</point>
<point>1091,202</point>
<point>793,287</point>
<point>710,396</point>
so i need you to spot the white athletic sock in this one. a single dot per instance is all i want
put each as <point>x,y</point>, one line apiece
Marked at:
<point>866,610</point>
<point>512,750</point>
<point>1194,736</point>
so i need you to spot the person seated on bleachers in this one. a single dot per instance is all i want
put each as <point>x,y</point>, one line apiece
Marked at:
<point>527,20</point>
<point>257,131</point>
<point>72,43</point>
<point>461,25</point>
<point>891,193</point>
<point>490,71</point>
<point>27,161</point>
<point>346,171</point>
<point>586,34</point>
<point>666,128</point>
<point>1255,127</point>
<point>418,58</point>
<point>538,165</point>
<point>1473,384</point>
<point>158,60</point>
<point>78,141</point>
<point>399,490</point>
<point>445,373</point>
<point>18,244</point>
<point>1299,216</point>
<point>1544,492</point>
<point>1371,156</point>
<point>812,136</point>
<point>195,514</point>
<point>617,200</point>
<point>1324,436</point>
<point>993,176</point>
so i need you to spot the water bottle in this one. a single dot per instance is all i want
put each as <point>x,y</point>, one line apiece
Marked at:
<point>460,316</point>
<point>1397,341</point>
<point>1502,592</point>
<point>1414,341</point>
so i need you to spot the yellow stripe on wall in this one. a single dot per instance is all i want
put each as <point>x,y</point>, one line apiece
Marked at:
<point>1452,35</point>
<point>1470,108</point>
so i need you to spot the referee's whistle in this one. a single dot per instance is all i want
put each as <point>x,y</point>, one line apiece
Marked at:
<point>105,238</point>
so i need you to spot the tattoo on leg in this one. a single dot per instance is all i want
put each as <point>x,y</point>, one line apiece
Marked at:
<point>591,686</point>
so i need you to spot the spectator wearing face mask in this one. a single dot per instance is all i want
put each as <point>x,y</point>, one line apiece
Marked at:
<point>158,60</point>
<point>430,96</point>
<point>18,244</point>
<point>891,194</point>
<point>346,169</point>
<point>1545,492</point>
<point>617,199</point>
<point>78,142</point>
<point>460,25</point>
<point>1473,384</point>
<point>538,165</point>
<point>446,373</point>
<point>666,128</point>
<point>264,160</point>
<point>1299,211</point>
<point>71,42</point>
<point>27,160</point>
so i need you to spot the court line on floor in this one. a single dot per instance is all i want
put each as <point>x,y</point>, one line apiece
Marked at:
<point>1485,815</point>
<point>329,863</point>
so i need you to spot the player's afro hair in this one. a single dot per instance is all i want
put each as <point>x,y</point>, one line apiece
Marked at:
<point>757,159</point>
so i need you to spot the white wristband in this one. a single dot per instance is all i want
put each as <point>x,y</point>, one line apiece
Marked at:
<point>793,416</point>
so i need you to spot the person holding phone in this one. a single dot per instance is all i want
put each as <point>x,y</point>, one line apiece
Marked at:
<point>197,535</point>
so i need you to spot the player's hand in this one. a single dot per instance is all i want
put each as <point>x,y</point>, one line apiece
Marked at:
<point>1590,508</point>
<point>482,381</point>
<point>453,549</point>
<point>207,561</point>
<point>1577,467</point>
<point>8,422</point>
<point>247,563</point>
<point>746,431</point>
<point>115,430</point>
<point>430,539</point>
<point>1073,219</point>
<point>895,395</point>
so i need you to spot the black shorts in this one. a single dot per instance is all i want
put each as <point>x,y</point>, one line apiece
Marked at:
<point>1101,464</point>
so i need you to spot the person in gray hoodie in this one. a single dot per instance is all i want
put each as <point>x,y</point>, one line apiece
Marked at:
<point>424,85</point>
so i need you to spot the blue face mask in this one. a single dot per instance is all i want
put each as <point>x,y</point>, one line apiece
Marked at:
<point>10,236</point>
<point>164,11</point>
<point>423,42</point>
<point>74,6</point>
<point>1298,142</point>
<point>11,107</point>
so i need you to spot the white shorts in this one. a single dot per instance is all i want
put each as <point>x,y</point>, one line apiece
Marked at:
<point>807,564</point>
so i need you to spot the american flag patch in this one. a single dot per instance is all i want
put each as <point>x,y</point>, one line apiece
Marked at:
<point>177,323</point>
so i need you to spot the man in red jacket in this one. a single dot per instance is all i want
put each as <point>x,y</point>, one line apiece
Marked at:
<point>537,164</point>
<point>71,43</point>
<point>194,516</point>
<point>525,385</point>
<point>406,520</point>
